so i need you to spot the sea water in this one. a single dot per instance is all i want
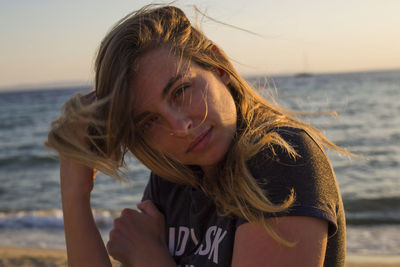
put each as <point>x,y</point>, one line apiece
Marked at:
<point>367,123</point>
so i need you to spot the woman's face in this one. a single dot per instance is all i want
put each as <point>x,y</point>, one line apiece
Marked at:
<point>183,110</point>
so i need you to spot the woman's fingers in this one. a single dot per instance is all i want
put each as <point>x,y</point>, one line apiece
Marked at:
<point>149,208</point>
<point>89,98</point>
<point>138,226</point>
<point>119,246</point>
<point>136,234</point>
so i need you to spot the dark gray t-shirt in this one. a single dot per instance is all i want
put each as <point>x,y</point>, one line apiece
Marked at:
<point>198,237</point>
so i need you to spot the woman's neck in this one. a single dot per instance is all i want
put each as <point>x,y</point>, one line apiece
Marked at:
<point>209,171</point>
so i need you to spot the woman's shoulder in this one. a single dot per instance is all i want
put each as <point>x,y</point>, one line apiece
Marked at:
<point>301,141</point>
<point>309,171</point>
<point>309,175</point>
<point>296,136</point>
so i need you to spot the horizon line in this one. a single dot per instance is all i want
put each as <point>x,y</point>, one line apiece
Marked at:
<point>65,84</point>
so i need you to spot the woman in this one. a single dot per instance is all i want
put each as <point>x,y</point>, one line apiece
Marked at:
<point>235,181</point>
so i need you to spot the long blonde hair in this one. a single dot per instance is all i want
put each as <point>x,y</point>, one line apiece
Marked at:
<point>111,133</point>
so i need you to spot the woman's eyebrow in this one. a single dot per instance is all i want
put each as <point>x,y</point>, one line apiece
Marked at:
<point>170,83</point>
<point>164,93</point>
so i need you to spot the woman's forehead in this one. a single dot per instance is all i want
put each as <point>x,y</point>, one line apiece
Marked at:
<point>160,57</point>
<point>158,66</point>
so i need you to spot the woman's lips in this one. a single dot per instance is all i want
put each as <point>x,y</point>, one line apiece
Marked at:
<point>200,142</point>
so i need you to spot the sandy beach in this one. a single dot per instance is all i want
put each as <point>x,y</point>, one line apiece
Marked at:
<point>32,257</point>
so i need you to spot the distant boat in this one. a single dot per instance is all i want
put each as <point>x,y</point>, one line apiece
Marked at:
<point>304,73</point>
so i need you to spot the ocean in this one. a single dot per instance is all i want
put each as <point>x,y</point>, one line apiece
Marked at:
<point>367,123</point>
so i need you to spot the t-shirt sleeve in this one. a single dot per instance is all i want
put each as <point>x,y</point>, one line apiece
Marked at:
<point>310,175</point>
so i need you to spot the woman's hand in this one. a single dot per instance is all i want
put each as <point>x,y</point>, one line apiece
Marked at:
<point>139,239</point>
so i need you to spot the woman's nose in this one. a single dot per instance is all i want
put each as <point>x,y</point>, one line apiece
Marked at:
<point>179,124</point>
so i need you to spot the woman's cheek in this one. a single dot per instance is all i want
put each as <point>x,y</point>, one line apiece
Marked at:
<point>160,141</point>
<point>200,106</point>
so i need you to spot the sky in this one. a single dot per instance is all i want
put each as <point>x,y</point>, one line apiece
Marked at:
<point>54,42</point>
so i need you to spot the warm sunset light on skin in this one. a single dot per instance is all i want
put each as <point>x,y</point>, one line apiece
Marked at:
<point>52,42</point>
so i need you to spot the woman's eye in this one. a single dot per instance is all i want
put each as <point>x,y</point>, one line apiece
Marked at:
<point>148,123</point>
<point>179,94</point>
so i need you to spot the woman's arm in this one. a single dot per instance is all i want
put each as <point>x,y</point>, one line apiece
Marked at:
<point>138,238</point>
<point>255,247</point>
<point>85,246</point>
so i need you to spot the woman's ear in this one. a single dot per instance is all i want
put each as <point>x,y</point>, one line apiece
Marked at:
<point>221,73</point>
<point>224,76</point>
